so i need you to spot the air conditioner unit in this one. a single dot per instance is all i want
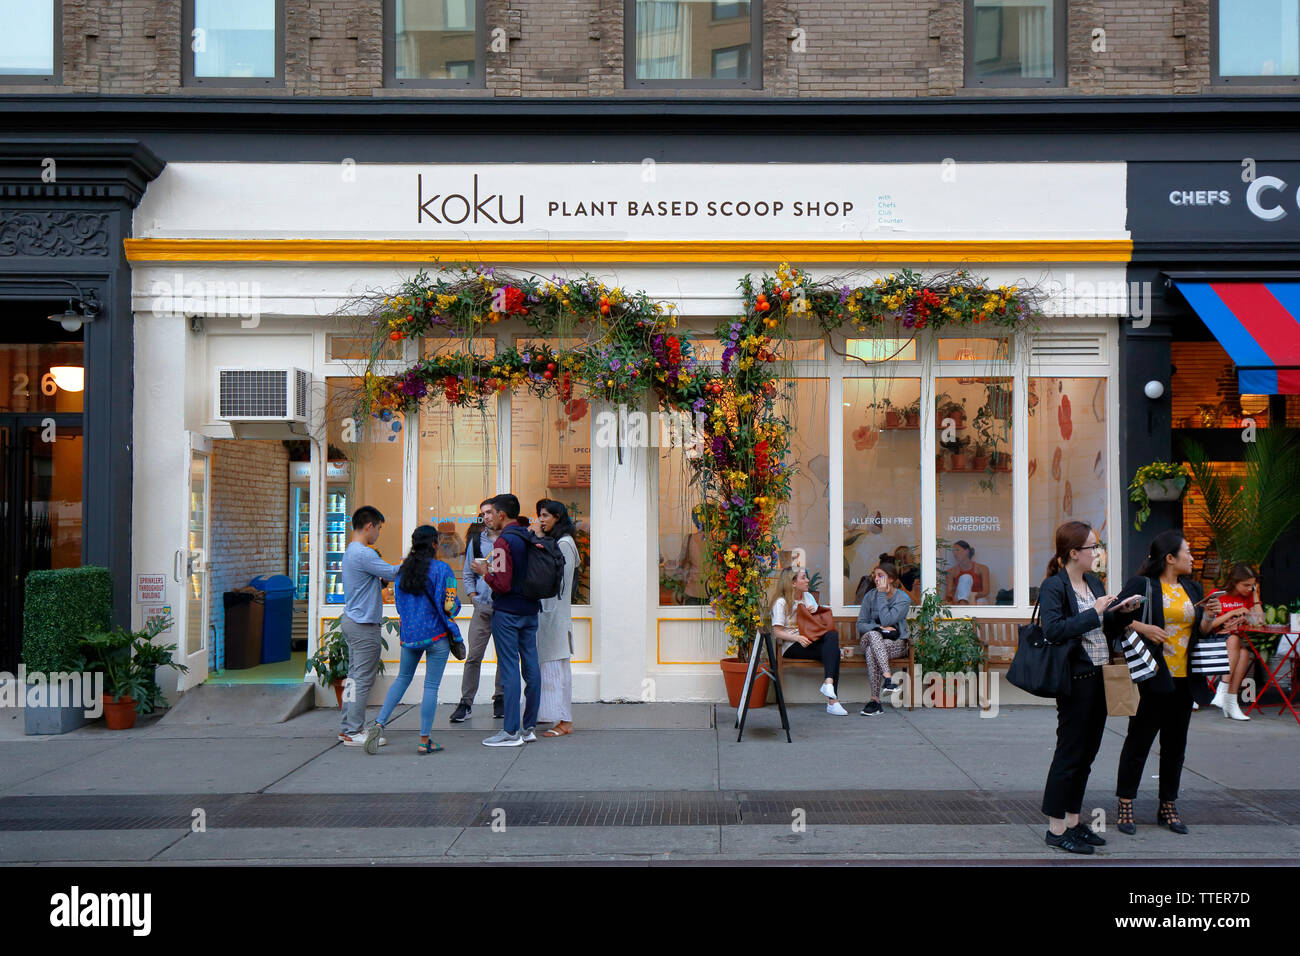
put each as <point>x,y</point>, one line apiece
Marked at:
<point>264,402</point>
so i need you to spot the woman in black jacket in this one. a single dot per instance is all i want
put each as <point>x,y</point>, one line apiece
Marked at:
<point>1175,623</point>
<point>1074,608</point>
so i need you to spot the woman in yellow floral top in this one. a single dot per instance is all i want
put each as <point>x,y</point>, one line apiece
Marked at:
<point>1171,627</point>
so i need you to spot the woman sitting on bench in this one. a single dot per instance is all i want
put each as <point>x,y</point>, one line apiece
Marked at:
<point>792,590</point>
<point>882,631</point>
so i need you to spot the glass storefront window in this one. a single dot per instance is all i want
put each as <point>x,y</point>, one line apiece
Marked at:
<point>1259,38</point>
<point>804,403</point>
<point>343,348</point>
<point>435,39</point>
<point>550,445</point>
<point>1013,38</point>
<point>1067,462</point>
<point>42,377</point>
<point>27,43</point>
<point>682,548</point>
<point>457,470</point>
<point>973,348</point>
<point>374,450</point>
<point>882,479</point>
<point>975,544</point>
<point>1203,389</point>
<point>882,349</point>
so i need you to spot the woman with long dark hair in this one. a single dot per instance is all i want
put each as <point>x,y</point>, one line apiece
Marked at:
<point>1175,623</point>
<point>427,604</point>
<point>1240,603</point>
<point>555,624</point>
<point>1074,609</point>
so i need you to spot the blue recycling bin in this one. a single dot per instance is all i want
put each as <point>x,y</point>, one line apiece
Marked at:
<point>277,619</point>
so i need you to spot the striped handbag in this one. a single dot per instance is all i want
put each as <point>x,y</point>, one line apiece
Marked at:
<point>1141,662</point>
<point>1210,656</point>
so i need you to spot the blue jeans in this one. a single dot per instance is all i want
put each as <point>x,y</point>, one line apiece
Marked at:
<point>515,637</point>
<point>433,667</point>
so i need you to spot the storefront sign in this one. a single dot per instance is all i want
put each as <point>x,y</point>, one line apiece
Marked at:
<point>970,523</point>
<point>636,201</point>
<point>150,588</point>
<point>156,611</point>
<point>1247,200</point>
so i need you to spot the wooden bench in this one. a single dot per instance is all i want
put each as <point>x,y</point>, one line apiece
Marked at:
<point>1000,639</point>
<point>848,635</point>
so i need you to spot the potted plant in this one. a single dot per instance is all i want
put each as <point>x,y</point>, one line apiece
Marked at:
<point>893,416</point>
<point>129,661</point>
<point>912,414</point>
<point>671,590</point>
<point>954,410</point>
<point>943,645</point>
<point>1001,460</point>
<point>1157,481</point>
<point>957,448</point>
<point>815,586</point>
<point>330,662</point>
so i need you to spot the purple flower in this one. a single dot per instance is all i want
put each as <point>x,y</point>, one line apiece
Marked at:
<point>615,365</point>
<point>735,326</point>
<point>698,405</point>
<point>844,295</point>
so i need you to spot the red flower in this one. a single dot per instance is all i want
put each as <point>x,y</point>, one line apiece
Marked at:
<point>514,301</point>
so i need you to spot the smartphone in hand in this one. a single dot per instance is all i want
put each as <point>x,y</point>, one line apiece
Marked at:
<point>1131,603</point>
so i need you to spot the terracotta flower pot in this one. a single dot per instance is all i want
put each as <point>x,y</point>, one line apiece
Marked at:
<point>119,712</point>
<point>959,462</point>
<point>666,596</point>
<point>733,674</point>
<point>980,463</point>
<point>893,419</point>
<point>912,419</point>
<point>1003,463</point>
<point>338,692</point>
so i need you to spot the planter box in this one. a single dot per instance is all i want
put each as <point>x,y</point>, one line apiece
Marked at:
<point>43,721</point>
<point>1171,489</point>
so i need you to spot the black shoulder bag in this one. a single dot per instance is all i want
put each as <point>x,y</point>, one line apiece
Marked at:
<point>1040,667</point>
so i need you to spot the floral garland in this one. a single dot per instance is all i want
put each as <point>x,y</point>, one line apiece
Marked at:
<point>627,346</point>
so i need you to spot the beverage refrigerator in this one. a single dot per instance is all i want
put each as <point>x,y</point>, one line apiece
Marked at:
<point>337,517</point>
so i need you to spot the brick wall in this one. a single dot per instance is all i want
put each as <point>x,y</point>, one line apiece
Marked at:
<point>575,48</point>
<point>250,508</point>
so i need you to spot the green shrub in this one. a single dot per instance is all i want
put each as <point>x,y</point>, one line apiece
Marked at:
<point>59,609</point>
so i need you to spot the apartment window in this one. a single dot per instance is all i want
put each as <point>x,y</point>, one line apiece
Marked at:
<point>434,43</point>
<point>233,43</point>
<point>1256,41</point>
<point>684,44</point>
<point>31,44</point>
<point>1015,43</point>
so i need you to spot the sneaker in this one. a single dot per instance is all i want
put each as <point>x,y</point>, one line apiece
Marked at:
<point>498,709</point>
<point>872,708</point>
<point>890,687</point>
<point>828,690</point>
<point>1083,833</point>
<point>458,650</point>
<point>1068,842</point>
<point>836,708</point>
<point>1233,709</point>
<point>1195,706</point>
<point>503,739</point>
<point>461,714</point>
<point>529,735</point>
<point>356,740</point>
<point>372,744</point>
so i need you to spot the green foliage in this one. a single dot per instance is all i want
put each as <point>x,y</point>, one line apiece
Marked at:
<point>1247,515</point>
<point>129,661</point>
<point>942,643</point>
<point>330,662</point>
<point>59,609</point>
<point>1137,492</point>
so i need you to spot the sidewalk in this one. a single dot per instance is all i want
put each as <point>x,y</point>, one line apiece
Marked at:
<point>637,782</point>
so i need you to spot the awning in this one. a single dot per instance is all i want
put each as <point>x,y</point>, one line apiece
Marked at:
<point>1258,324</point>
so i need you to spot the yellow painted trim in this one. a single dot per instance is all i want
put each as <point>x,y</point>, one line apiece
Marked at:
<point>636,251</point>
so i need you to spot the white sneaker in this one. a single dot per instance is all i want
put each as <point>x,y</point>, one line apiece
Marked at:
<point>529,736</point>
<point>837,709</point>
<point>1195,706</point>
<point>828,690</point>
<point>1233,709</point>
<point>1220,695</point>
<point>503,739</point>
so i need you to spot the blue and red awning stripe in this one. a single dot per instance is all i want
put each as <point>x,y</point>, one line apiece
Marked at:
<point>1258,324</point>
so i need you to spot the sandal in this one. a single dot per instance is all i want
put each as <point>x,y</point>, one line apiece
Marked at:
<point>557,732</point>
<point>1167,816</point>
<point>1125,822</point>
<point>430,747</point>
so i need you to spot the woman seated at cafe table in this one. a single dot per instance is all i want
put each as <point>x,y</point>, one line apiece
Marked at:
<point>967,581</point>
<point>792,591</point>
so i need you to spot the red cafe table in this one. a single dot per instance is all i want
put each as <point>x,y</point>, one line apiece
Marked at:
<point>1291,657</point>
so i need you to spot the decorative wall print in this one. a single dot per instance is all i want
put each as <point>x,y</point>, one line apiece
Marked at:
<point>877,524</point>
<point>1033,395</point>
<point>1067,499</point>
<point>865,438</point>
<point>1033,466</point>
<point>1099,465</point>
<point>1056,464</point>
<point>1063,418</point>
<point>1098,393</point>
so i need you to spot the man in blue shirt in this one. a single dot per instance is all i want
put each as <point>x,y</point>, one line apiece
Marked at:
<point>477,547</point>
<point>364,575</point>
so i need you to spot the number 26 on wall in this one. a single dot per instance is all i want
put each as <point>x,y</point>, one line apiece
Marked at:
<point>21,380</point>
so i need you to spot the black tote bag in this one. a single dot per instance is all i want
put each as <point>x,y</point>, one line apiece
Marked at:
<point>1040,668</point>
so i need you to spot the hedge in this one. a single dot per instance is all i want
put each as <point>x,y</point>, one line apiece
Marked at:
<point>61,607</point>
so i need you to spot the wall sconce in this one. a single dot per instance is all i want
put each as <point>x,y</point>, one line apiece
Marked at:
<point>1154,389</point>
<point>86,309</point>
<point>70,378</point>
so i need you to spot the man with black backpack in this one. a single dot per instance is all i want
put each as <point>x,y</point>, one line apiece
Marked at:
<point>480,539</point>
<point>522,569</point>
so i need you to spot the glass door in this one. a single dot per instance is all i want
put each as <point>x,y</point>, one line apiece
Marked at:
<point>192,564</point>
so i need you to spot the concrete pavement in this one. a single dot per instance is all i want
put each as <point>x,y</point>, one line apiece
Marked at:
<point>637,782</point>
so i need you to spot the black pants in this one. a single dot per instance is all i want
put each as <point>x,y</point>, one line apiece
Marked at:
<point>825,649</point>
<point>1080,723</point>
<point>1167,715</point>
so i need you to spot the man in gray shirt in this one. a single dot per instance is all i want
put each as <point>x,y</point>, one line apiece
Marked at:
<point>364,574</point>
<point>478,545</point>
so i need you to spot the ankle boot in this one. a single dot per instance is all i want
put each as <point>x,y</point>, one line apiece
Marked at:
<point>1233,709</point>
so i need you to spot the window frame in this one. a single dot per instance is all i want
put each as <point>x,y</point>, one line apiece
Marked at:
<point>754,81</point>
<point>1217,79</point>
<point>476,82</point>
<point>188,78</point>
<point>54,78</point>
<point>1059,74</point>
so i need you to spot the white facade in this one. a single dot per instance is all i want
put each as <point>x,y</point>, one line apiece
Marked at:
<point>637,649</point>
